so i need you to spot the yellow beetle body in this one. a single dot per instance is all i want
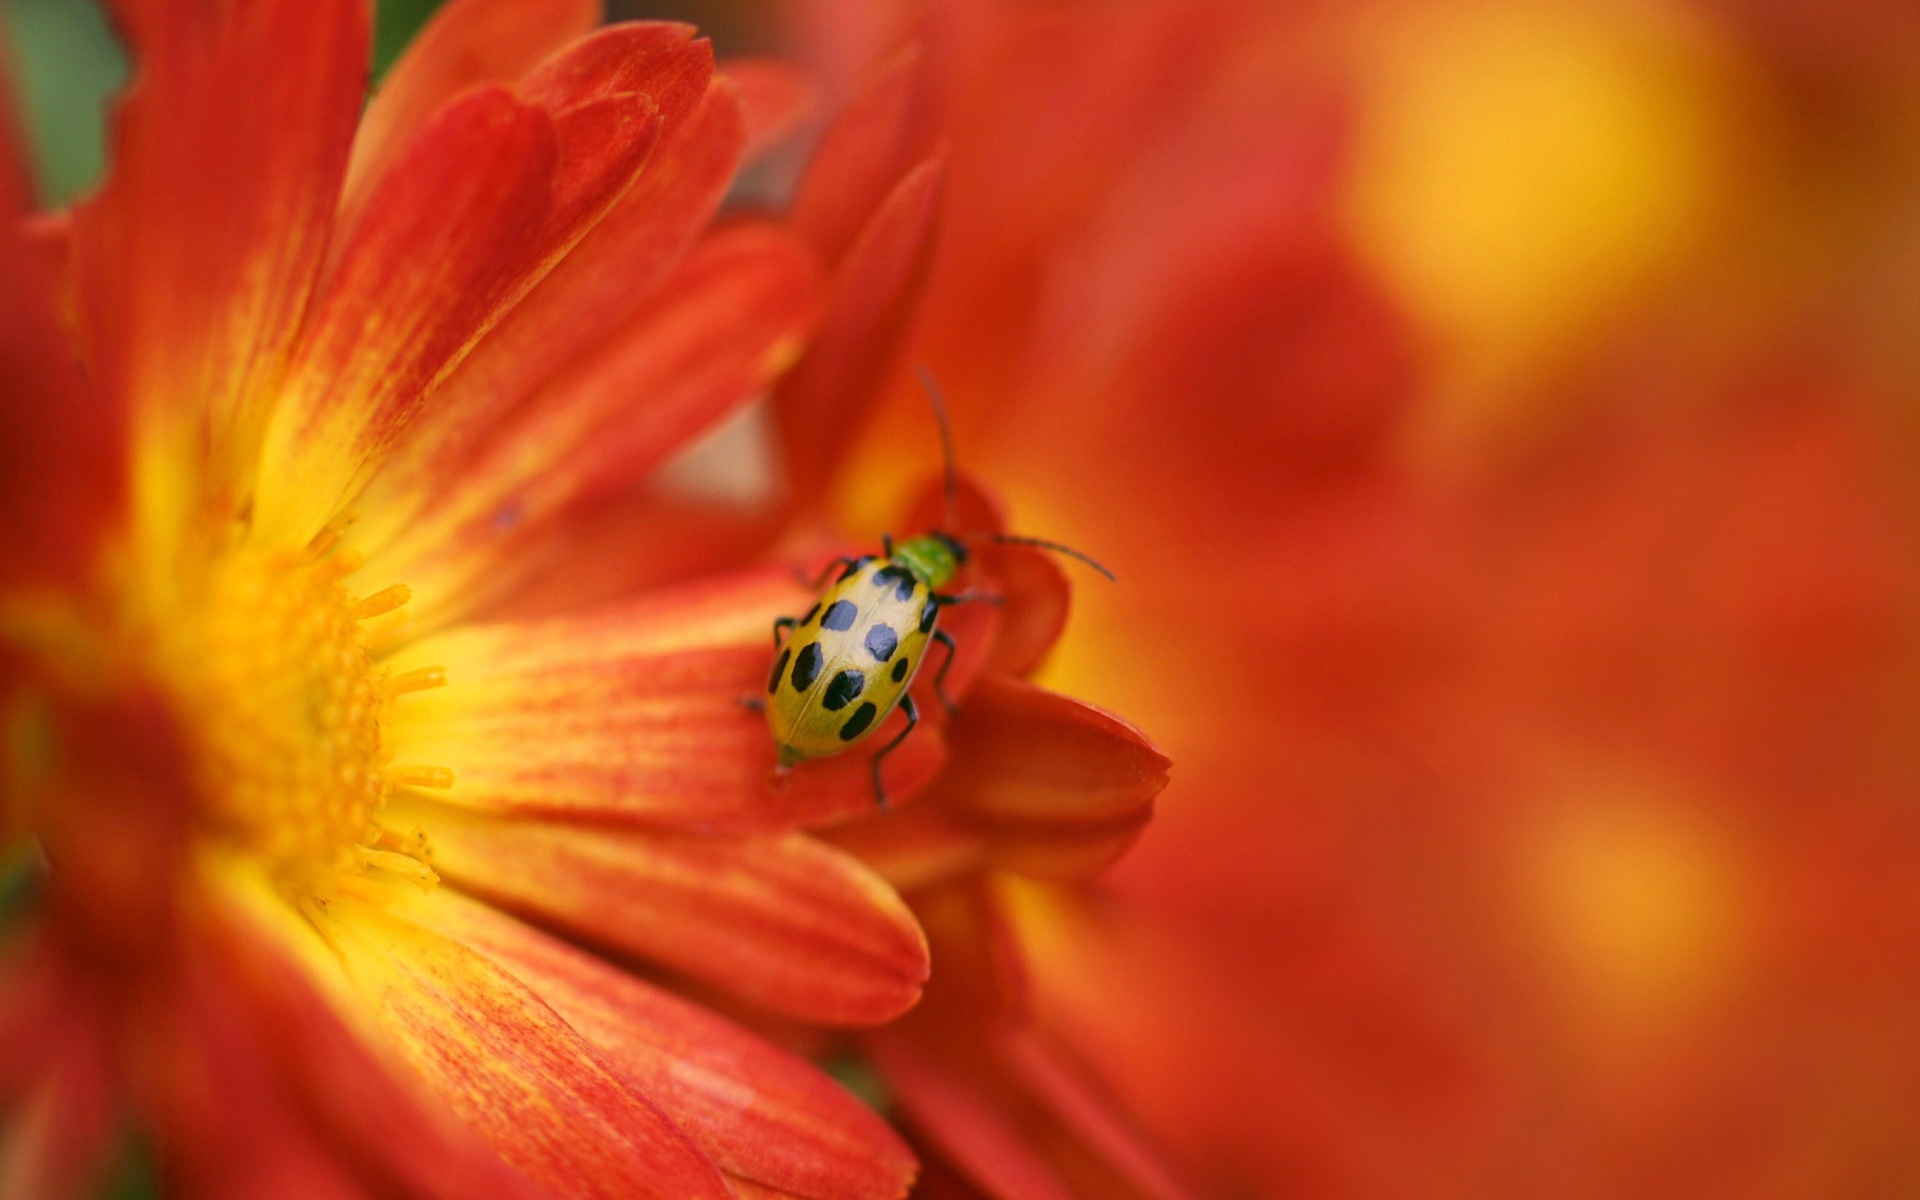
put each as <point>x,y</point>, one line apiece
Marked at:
<point>850,661</point>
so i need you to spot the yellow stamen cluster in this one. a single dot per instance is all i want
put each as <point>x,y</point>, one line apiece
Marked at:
<point>287,706</point>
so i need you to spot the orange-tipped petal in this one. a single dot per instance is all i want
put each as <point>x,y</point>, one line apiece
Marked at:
<point>756,1110</point>
<point>445,237</point>
<point>775,97</point>
<point>607,284</point>
<point>872,144</point>
<point>782,920</point>
<point>467,43</point>
<point>874,297</point>
<point>194,263</point>
<point>512,1069</point>
<point>1025,754</point>
<point>636,713</point>
<point>711,340</point>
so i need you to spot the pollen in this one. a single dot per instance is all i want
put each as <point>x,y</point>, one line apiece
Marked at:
<point>288,709</point>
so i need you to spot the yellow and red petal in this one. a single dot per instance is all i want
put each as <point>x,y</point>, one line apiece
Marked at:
<point>512,1069</point>
<point>875,293</point>
<point>781,920</point>
<point>710,340</point>
<point>756,1110</point>
<point>467,43</point>
<point>446,237</point>
<point>605,285</point>
<point>194,263</point>
<point>370,1108</point>
<point>636,714</point>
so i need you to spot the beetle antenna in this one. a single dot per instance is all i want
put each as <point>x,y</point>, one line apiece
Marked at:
<point>1056,547</point>
<point>951,487</point>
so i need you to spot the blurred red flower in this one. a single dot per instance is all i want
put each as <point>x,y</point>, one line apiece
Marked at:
<point>1496,415</point>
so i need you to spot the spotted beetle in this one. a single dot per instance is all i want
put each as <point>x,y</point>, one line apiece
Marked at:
<point>851,660</point>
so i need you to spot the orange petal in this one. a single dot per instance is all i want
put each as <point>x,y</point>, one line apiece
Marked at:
<point>512,1069</point>
<point>467,43</point>
<point>756,1110</point>
<point>872,144</point>
<point>636,713</point>
<point>781,920</point>
<point>445,237</point>
<point>1038,599</point>
<point>916,847</point>
<point>962,1119</point>
<point>1025,754</point>
<point>194,263</point>
<point>372,1111</point>
<point>607,283</point>
<point>710,341</point>
<point>875,294</point>
<point>775,97</point>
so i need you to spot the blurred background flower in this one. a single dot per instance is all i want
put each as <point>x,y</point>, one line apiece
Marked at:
<point>1501,417</point>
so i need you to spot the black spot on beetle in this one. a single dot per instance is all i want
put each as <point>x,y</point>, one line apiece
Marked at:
<point>929,614</point>
<point>810,613</point>
<point>842,689</point>
<point>881,642</point>
<point>899,670</point>
<point>807,666</point>
<point>898,578</point>
<point>839,615</point>
<point>858,722</point>
<point>780,665</point>
<point>853,567</point>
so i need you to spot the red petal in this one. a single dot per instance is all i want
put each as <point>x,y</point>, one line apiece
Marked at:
<point>755,1109</point>
<point>445,238</point>
<point>775,97</point>
<point>636,713</point>
<point>872,145</point>
<point>965,1122</point>
<point>512,1069</point>
<point>782,920</point>
<point>915,848</point>
<point>875,295</point>
<point>710,341</point>
<point>604,285</point>
<point>61,445</point>
<point>1038,599</point>
<point>1025,754</point>
<point>467,43</point>
<point>194,264</point>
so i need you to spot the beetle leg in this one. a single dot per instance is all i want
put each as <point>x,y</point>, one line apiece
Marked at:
<point>970,596</point>
<point>780,623</point>
<point>940,676</point>
<point>839,564</point>
<point>886,544</point>
<point>756,703</point>
<point>913,720</point>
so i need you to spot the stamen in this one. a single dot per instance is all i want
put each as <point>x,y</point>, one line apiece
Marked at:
<point>404,865</point>
<point>383,601</point>
<point>324,541</point>
<point>420,679</point>
<point>426,777</point>
<point>339,566</point>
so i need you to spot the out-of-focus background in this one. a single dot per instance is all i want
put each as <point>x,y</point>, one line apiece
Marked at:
<point>1504,419</point>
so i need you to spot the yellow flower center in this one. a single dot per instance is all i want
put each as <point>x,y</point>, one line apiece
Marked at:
<point>286,704</point>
